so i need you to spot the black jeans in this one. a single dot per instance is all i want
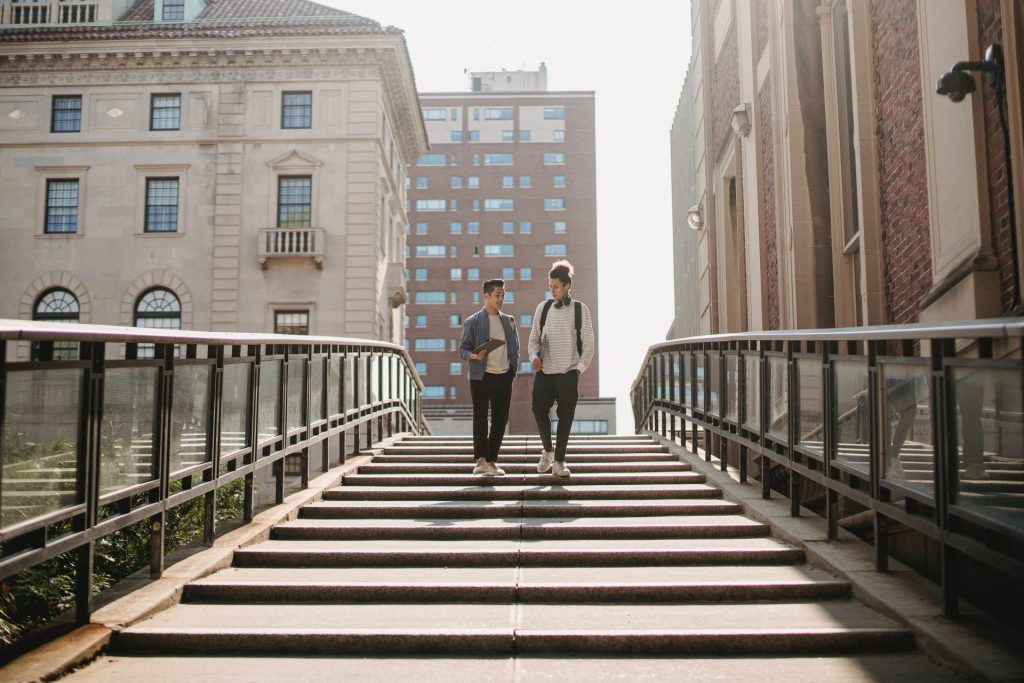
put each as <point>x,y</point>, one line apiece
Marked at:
<point>547,389</point>
<point>494,392</point>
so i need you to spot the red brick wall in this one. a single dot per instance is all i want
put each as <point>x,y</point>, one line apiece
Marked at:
<point>903,188</point>
<point>767,192</point>
<point>724,92</point>
<point>990,30</point>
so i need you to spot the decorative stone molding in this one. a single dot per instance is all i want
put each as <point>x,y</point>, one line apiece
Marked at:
<point>51,280</point>
<point>156,278</point>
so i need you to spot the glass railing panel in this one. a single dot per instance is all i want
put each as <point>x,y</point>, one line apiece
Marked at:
<point>268,422</point>
<point>235,406</point>
<point>850,378</point>
<point>698,385</point>
<point>40,443</point>
<point>362,368</point>
<point>350,384</point>
<point>374,377</point>
<point>334,386</point>
<point>316,390</point>
<point>129,423</point>
<point>908,450</point>
<point>684,379</point>
<point>752,397</point>
<point>989,429</point>
<point>778,398</point>
<point>714,382</point>
<point>811,396</point>
<point>190,407</point>
<point>732,386</point>
<point>296,393</point>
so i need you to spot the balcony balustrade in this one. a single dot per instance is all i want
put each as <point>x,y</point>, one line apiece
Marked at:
<point>60,12</point>
<point>96,438</point>
<point>291,243</point>
<point>922,425</point>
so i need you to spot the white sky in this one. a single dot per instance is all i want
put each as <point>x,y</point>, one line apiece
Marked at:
<point>634,56</point>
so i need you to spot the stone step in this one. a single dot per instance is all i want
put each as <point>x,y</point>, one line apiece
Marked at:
<point>535,479</point>
<point>530,458</point>
<point>514,584</point>
<point>578,468</point>
<point>696,526</point>
<point>481,628</point>
<point>532,438</point>
<point>511,553</point>
<point>510,509</point>
<point>513,449</point>
<point>477,492</point>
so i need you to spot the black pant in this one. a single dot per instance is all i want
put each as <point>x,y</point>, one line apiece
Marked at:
<point>494,392</point>
<point>547,389</point>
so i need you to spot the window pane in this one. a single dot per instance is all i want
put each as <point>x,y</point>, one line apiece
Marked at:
<point>291,322</point>
<point>165,111</point>
<point>297,110</point>
<point>161,205</point>
<point>294,201</point>
<point>67,114</point>
<point>61,206</point>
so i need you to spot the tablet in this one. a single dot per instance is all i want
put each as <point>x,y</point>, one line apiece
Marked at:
<point>489,345</point>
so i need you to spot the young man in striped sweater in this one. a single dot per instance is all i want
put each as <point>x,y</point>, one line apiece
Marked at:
<point>561,349</point>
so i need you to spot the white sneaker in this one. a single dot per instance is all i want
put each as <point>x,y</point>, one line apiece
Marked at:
<point>546,458</point>
<point>559,469</point>
<point>482,466</point>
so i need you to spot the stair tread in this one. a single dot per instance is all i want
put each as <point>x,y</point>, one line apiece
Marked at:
<point>540,545</point>
<point>654,520</point>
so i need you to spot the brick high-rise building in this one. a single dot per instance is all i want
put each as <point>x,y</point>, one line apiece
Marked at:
<point>507,188</point>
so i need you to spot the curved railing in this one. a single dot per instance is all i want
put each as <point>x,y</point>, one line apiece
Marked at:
<point>105,426</point>
<point>919,424</point>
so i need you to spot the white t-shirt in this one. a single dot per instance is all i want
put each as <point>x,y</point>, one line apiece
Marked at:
<point>497,360</point>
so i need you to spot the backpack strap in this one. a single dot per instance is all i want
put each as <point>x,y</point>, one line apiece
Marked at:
<point>579,326</point>
<point>544,314</point>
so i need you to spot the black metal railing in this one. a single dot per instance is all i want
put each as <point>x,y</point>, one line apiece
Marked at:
<point>105,426</point>
<point>921,425</point>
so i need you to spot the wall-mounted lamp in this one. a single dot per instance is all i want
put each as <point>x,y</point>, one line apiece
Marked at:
<point>695,217</point>
<point>740,120</point>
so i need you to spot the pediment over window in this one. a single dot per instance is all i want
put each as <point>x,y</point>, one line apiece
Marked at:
<point>295,160</point>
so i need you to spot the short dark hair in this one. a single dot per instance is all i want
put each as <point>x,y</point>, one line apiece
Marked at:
<point>562,270</point>
<point>490,285</point>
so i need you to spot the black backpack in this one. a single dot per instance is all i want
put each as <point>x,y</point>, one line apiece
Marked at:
<point>578,309</point>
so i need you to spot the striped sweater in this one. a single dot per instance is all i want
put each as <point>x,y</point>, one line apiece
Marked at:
<point>557,347</point>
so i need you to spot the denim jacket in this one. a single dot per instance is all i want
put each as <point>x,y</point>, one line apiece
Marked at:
<point>476,330</point>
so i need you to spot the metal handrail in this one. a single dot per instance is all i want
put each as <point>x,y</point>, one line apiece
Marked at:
<point>344,390</point>
<point>943,499</point>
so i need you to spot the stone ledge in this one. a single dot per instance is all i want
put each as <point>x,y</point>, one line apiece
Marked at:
<point>975,643</point>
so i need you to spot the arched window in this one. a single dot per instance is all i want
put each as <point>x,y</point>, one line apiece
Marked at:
<point>56,305</point>
<point>157,308</point>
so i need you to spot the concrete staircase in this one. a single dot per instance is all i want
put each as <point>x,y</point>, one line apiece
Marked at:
<point>632,555</point>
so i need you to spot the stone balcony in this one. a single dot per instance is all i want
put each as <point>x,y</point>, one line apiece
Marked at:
<point>278,243</point>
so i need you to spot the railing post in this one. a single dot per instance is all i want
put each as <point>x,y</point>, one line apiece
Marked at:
<point>766,463</point>
<point>162,457</point>
<point>793,422</point>
<point>213,429</point>
<point>875,456</point>
<point>946,470</point>
<point>252,426</point>
<point>830,414</point>
<point>307,412</point>
<point>88,460</point>
<point>282,427</point>
<point>356,398</point>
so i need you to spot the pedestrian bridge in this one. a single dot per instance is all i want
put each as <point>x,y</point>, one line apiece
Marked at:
<point>895,433</point>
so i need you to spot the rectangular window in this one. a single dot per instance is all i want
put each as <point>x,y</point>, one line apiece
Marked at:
<point>430,205</point>
<point>525,319</point>
<point>524,136</point>
<point>455,114</point>
<point>476,159</point>
<point>455,368</point>
<point>508,227</point>
<point>474,136</point>
<point>525,181</point>
<point>476,204</point>
<point>559,136</point>
<point>508,273</point>
<point>421,274</point>
<point>421,182</point>
<point>559,181</point>
<point>525,273</point>
<point>291,322</point>
<point>508,136</point>
<point>456,136</point>
<point>499,113</point>
<point>476,297</point>
<point>453,250</point>
<point>165,110</point>
<point>554,250</point>
<point>505,250</point>
<point>499,205</point>
<point>499,159</point>
<point>431,114</point>
<point>429,297</point>
<point>455,320</point>
<point>455,204</point>
<point>474,182</point>
<point>429,344</point>
<point>554,112</point>
<point>429,250</point>
<point>61,207</point>
<point>554,204</point>
<point>510,296</point>
<point>453,297</point>
<point>421,320</point>
<point>554,158</point>
<point>455,274</point>
<point>456,183</point>
<point>525,227</point>
<point>559,227</point>
<point>67,114</point>
<point>453,391</point>
<point>431,160</point>
<point>294,201</point>
<point>508,181</point>
<point>297,110</point>
<point>421,228</point>
<point>161,205</point>
<point>433,391</point>
<point>455,228</point>
<point>421,367</point>
<point>473,274</point>
<point>174,10</point>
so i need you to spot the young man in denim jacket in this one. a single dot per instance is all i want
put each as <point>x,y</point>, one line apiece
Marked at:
<point>490,375</point>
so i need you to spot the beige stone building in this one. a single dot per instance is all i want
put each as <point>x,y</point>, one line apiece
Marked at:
<point>227,165</point>
<point>834,186</point>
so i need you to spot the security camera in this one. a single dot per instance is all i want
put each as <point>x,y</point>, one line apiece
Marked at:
<point>955,84</point>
